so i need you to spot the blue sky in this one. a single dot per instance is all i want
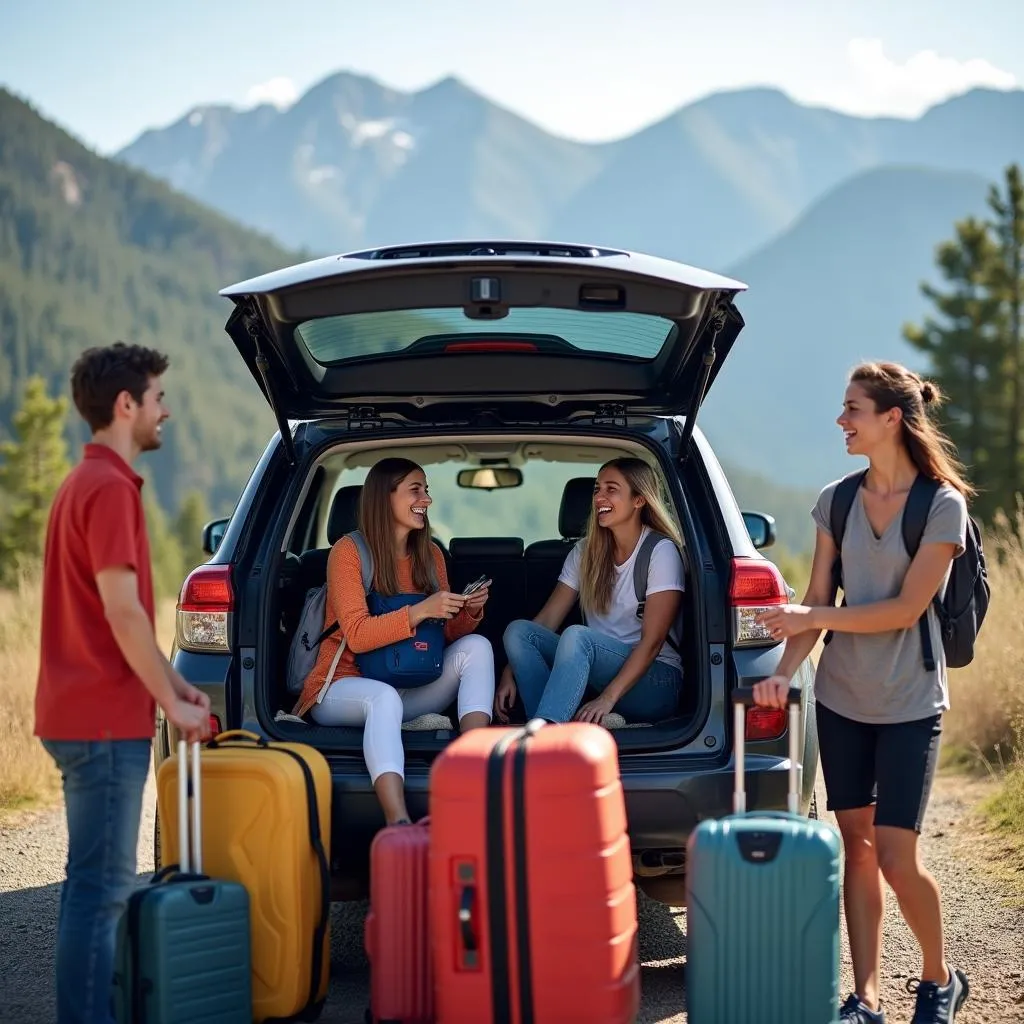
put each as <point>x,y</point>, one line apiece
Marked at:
<point>589,69</point>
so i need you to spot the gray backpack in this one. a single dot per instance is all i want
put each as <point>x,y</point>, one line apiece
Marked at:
<point>310,632</point>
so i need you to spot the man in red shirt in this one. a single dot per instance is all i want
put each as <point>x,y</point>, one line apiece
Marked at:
<point>101,672</point>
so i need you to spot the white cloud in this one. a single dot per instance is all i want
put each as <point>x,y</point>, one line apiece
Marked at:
<point>881,85</point>
<point>280,91</point>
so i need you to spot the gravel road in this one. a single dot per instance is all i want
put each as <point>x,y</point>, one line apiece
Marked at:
<point>985,929</point>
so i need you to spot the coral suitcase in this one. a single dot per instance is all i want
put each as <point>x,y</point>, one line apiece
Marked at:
<point>266,818</point>
<point>532,904</point>
<point>763,906</point>
<point>182,954</point>
<point>397,937</point>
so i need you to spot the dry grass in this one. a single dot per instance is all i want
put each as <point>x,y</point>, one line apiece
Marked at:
<point>27,775</point>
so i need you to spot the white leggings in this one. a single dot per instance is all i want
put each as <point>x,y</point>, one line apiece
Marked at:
<point>353,700</point>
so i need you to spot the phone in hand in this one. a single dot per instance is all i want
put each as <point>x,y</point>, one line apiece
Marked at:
<point>473,587</point>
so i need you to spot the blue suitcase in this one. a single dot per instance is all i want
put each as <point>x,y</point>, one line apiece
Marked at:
<point>762,897</point>
<point>182,952</point>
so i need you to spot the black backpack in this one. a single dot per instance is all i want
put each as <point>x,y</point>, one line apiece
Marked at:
<point>962,610</point>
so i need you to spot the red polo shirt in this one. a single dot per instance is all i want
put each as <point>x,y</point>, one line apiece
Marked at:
<point>86,690</point>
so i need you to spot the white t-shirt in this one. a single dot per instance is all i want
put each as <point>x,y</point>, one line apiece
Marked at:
<point>665,572</point>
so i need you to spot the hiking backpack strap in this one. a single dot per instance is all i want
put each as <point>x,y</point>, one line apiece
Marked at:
<point>365,559</point>
<point>641,568</point>
<point>842,502</point>
<point>915,519</point>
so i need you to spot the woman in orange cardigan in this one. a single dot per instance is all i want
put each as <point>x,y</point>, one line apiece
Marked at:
<point>393,520</point>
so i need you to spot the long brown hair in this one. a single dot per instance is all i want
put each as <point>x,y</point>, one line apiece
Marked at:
<point>597,566</point>
<point>892,386</point>
<point>377,525</point>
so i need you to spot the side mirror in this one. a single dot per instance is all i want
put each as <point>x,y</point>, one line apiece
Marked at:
<point>761,528</point>
<point>213,534</point>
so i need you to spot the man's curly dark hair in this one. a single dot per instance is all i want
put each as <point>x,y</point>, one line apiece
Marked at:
<point>101,374</point>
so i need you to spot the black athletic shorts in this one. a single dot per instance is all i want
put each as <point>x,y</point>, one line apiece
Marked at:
<point>890,766</point>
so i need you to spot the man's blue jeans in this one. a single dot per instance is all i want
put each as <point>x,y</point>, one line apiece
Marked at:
<point>553,671</point>
<point>103,784</point>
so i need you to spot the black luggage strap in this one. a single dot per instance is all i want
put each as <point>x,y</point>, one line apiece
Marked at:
<point>496,888</point>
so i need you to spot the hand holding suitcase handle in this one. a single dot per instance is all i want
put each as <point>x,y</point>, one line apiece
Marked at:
<point>742,698</point>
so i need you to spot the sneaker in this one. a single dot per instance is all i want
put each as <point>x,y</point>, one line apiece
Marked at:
<point>939,1004</point>
<point>853,1011</point>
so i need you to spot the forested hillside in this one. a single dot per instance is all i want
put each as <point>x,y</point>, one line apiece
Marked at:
<point>91,252</point>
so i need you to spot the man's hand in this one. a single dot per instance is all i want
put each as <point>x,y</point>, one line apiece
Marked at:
<point>186,691</point>
<point>191,720</point>
<point>595,710</point>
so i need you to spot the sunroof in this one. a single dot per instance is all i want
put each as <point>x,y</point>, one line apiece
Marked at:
<point>334,339</point>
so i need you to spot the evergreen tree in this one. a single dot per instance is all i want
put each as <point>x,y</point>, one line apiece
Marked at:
<point>188,529</point>
<point>166,556</point>
<point>1008,289</point>
<point>33,467</point>
<point>966,348</point>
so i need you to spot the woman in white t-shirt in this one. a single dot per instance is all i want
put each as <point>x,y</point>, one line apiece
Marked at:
<point>632,661</point>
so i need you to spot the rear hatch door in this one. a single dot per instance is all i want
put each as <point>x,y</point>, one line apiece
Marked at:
<point>545,330</point>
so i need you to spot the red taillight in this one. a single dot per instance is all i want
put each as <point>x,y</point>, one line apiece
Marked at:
<point>207,599</point>
<point>207,588</point>
<point>765,723</point>
<point>490,346</point>
<point>214,725</point>
<point>756,584</point>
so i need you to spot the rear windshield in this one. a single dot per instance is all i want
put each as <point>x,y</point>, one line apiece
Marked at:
<point>334,339</point>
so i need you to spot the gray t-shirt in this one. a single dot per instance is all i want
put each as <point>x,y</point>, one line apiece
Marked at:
<point>880,677</point>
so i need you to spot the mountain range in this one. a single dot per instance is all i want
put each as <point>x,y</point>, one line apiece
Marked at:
<point>353,163</point>
<point>831,220</point>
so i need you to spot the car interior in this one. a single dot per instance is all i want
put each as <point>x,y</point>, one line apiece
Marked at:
<point>510,509</point>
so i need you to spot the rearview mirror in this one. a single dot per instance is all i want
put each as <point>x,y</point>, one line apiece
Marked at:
<point>213,534</point>
<point>490,478</point>
<point>761,528</point>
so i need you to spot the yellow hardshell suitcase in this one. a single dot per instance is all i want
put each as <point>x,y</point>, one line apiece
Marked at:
<point>266,821</point>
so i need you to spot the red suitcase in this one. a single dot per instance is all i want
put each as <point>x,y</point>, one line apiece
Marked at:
<point>532,904</point>
<point>396,934</point>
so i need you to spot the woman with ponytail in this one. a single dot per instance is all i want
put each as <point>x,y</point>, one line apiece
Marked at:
<point>632,662</point>
<point>879,706</point>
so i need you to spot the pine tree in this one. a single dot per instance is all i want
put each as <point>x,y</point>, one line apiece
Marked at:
<point>188,528</point>
<point>34,464</point>
<point>165,552</point>
<point>966,351</point>
<point>1008,289</point>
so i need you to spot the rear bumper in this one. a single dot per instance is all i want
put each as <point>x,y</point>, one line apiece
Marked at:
<point>662,806</point>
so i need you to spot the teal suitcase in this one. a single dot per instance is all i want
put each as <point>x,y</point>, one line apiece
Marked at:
<point>762,897</point>
<point>182,953</point>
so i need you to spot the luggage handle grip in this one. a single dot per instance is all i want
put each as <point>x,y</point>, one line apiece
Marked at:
<point>237,736</point>
<point>742,698</point>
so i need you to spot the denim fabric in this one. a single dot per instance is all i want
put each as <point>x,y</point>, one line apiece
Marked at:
<point>552,673</point>
<point>103,783</point>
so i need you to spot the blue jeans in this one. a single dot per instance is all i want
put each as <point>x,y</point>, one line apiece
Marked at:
<point>103,784</point>
<point>553,671</point>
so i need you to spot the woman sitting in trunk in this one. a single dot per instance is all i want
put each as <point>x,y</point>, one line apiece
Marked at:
<point>625,651</point>
<point>393,522</point>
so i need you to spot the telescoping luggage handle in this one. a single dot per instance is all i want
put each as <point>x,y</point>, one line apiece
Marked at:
<point>743,697</point>
<point>195,861</point>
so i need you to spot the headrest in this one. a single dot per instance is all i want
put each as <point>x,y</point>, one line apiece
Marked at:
<point>344,517</point>
<point>485,547</point>
<point>577,501</point>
